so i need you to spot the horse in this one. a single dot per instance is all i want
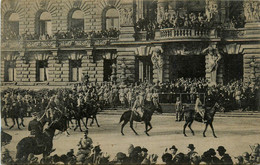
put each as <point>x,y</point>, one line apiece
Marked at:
<point>190,116</point>
<point>131,116</point>
<point>5,138</point>
<point>15,113</point>
<point>89,110</point>
<point>29,144</point>
<point>92,113</point>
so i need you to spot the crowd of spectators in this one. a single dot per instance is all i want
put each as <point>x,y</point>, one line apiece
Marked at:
<point>233,96</point>
<point>191,20</point>
<point>73,33</point>
<point>144,24</point>
<point>89,154</point>
<point>238,21</point>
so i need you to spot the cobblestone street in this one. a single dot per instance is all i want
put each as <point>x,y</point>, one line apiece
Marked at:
<point>235,133</point>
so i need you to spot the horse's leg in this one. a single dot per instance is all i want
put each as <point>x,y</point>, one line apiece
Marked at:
<point>22,120</point>
<point>84,124</point>
<point>18,125</point>
<point>76,127</point>
<point>205,129</point>
<point>13,123</point>
<point>212,128</point>
<point>5,119</point>
<point>189,125</point>
<point>150,125</point>
<point>96,120</point>
<point>92,122</point>
<point>131,126</point>
<point>87,122</point>
<point>146,129</point>
<point>79,126</point>
<point>122,127</point>
<point>184,127</point>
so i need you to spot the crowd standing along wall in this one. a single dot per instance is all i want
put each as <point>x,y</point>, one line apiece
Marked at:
<point>58,42</point>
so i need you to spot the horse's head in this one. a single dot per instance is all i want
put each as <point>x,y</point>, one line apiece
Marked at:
<point>218,108</point>
<point>159,109</point>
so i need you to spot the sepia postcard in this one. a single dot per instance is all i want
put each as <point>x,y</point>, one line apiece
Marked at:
<point>130,82</point>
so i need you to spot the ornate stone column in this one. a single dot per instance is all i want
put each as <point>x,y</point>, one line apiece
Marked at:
<point>158,63</point>
<point>127,18</point>
<point>213,64</point>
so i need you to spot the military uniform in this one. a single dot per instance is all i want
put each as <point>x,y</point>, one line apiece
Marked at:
<point>35,127</point>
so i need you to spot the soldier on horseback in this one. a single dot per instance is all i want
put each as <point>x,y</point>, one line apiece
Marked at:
<point>52,107</point>
<point>199,109</point>
<point>138,106</point>
<point>36,129</point>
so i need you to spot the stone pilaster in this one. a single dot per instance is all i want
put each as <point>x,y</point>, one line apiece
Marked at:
<point>32,71</point>
<point>2,70</point>
<point>127,19</point>
<point>65,70</point>
<point>51,63</point>
<point>251,61</point>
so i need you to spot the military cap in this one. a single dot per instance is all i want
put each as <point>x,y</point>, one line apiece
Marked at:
<point>191,146</point>
<point>221,148</point>
<point>173,148</point>
<point>120,156</point>
<point>144,149</point>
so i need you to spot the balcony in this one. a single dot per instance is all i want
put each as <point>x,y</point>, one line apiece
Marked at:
<point>12,44</point>
<point>177,33</point>
<point>233,33</point>
<point>55,44</point>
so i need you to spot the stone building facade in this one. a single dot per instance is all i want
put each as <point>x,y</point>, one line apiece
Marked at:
<point>153,53</point>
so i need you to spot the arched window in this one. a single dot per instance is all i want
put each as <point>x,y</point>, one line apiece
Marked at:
<point>45,25</point>
<point>112,19</point>
<point>76,20</point>
<point>12,24</point>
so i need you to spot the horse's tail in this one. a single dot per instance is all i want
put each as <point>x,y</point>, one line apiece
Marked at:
<point>121,118</point>
<point>125,115</point>
<point>182,115</point>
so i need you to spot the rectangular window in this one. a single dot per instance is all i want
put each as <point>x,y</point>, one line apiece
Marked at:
<point>10,71</point>
<point>41,70</point>
<point>75,70</point>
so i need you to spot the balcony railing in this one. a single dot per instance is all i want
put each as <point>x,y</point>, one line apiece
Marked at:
<point>59,43</point>
<point>233,33</point>
<point>172,33</point>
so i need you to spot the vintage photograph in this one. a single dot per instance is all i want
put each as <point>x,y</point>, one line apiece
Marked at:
<point>130,82</point>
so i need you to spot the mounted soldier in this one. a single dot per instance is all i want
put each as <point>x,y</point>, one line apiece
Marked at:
<point>36,129</point>
<point>199,108</point>
<point>138,106</point>
<point>52,107</point>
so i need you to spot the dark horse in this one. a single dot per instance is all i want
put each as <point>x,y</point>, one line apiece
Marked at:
<point>15,113</point>
<point>132,116</point>
<point>89,110</point>
<point>29,144</point>
<point>190,115</point>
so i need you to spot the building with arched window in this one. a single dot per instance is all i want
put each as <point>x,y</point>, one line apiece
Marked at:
<point>76,19</point>
<point>44,24</point>
<point>111,19</point>
<point>58,43</point>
